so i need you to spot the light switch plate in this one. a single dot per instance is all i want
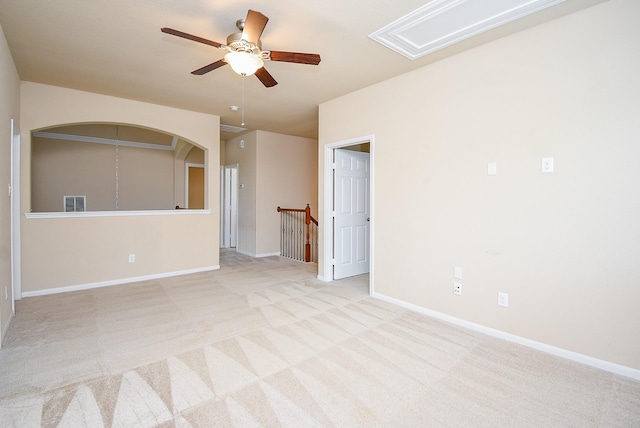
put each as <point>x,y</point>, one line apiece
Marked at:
<point>503,299</point>
<point>457,272</point>
<point>492,168</point>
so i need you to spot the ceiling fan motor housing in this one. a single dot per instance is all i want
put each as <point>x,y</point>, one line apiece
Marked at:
<point>236,43</point>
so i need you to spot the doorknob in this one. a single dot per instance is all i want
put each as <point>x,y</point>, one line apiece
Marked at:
<point>367,218</point>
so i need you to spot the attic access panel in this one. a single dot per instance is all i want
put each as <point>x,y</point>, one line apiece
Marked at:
<point>441,23</point>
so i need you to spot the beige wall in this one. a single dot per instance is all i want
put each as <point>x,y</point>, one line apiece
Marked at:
<point>287,177</point>
<point>196,155</point>
<point>9,109</point>
<point>247,166</point>
<point>276,170</point>
<point>565,245</point>
<point>145,179</point>
<point>223,154</point>
<point>64,252</point>
<point>58,168</point>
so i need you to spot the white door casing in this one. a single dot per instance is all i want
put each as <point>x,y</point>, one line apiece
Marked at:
<point>352,213</point>
<point>16,278</point>
<point>230,207</point>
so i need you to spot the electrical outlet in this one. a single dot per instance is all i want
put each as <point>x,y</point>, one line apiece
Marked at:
<point>132,258</point>
<point>457,288</point>
<point>503,299</point>
<point>547,164</point>
<point>6,293</point>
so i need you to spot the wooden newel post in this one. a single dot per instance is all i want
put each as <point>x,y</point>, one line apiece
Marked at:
<point>307,222</point>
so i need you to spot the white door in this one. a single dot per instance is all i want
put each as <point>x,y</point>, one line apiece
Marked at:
<point>230,207</point>
<point>351,207</point>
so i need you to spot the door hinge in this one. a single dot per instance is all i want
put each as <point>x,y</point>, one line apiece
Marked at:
<point>333,214</point>
<point>334,165</point>
<point>333,262</point>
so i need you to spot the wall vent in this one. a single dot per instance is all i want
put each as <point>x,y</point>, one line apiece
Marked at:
<point>231,128</point>
<point>75,204</point>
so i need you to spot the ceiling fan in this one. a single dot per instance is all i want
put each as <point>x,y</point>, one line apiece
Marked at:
<point>244,50</point>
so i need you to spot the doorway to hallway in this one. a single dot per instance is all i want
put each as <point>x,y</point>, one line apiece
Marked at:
<point>229,206</point>
<point>348,209</point>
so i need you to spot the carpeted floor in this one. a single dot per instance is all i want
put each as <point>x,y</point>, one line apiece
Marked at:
<point>261,342</point>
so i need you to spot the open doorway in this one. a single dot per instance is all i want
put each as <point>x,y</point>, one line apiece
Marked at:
<point>229,206</point>
<point>194,186</point>
<point>348,209</point>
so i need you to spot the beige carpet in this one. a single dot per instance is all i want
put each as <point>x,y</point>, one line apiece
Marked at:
<point>261,342</point>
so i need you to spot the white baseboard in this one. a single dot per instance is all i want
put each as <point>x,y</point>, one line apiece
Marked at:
<point>91,285</point>
<point>553,350</point>
<point>246,253</point>
<point>6,328</point>
<point>267,254</point>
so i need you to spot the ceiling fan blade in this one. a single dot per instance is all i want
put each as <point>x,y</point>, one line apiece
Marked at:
<point>254,26</point>
<point>207,68</point>
<point>266,78</point>
<point>190,37</point>
<point>297,57</point>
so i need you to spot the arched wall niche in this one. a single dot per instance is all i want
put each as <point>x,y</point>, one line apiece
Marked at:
<point>65,251</point>
<point>106,166</point>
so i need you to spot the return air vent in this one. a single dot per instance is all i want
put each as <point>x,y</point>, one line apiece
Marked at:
<point>231,128</point>
<point>75,204</point>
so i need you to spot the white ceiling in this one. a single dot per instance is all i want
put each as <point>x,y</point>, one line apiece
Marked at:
<point>115,47</point>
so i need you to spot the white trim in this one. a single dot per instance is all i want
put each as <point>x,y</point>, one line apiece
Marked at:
<point>231,205</point>
<point>221,205</point>
<point>6,328</point>
<point>110,141</point>
<point>16,257</point>
<point>100,284</point>
<point>115,213</point>
<point>549,349</point>
<point>327,229</point>
<point>327,274</point>
<point>267,254</point>
<point>246,253</point>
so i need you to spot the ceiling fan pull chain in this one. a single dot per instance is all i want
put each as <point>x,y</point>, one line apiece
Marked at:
<point>243,76</point>
<point>117,167</point>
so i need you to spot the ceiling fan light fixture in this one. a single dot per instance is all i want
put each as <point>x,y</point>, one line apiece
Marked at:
<point>244,63</point>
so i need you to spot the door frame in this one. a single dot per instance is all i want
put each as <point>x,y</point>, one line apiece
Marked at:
<point>234,210</point>
<point>16,260</point>
<point>187,167</point>
<point>327,271</point>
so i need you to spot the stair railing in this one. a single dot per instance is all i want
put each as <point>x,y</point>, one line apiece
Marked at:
<point>298,234</point>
